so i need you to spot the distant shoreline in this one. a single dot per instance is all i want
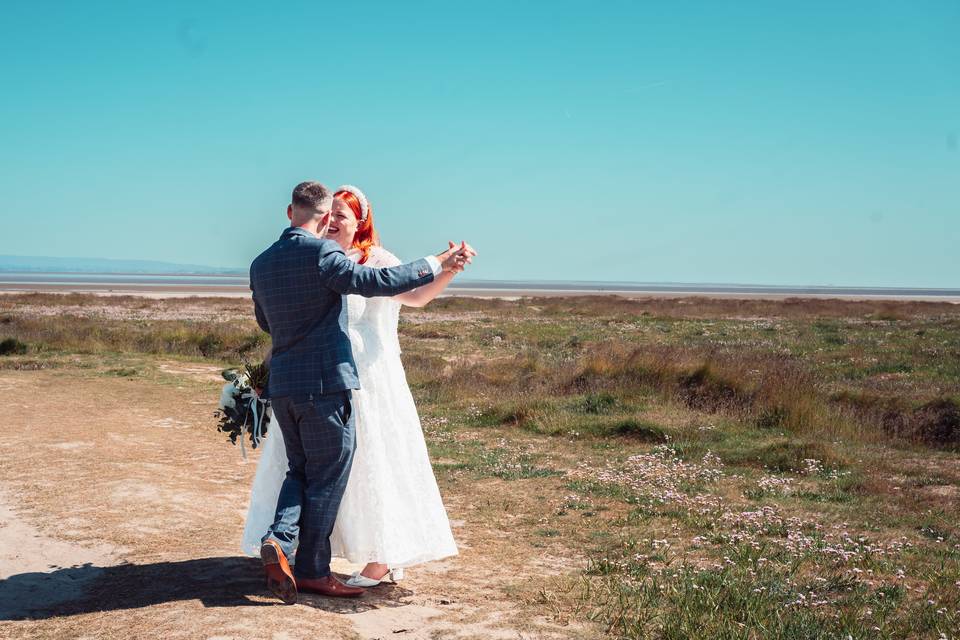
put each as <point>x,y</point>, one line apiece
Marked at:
<point>167,286</point>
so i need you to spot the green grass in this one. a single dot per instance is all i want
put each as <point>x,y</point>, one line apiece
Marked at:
<point>782,454</point>
<point>122,372</point>
<point>711,468</point>
<point>769,600</point>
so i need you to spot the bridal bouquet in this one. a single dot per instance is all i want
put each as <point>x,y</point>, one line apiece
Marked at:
<point>243,413</point>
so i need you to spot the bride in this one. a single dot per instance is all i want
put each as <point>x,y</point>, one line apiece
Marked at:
<point>391,515</point>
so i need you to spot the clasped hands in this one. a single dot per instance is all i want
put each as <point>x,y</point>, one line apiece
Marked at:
<point>456,257</point>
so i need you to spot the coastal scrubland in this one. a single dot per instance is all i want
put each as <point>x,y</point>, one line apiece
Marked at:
<point>689,467</point>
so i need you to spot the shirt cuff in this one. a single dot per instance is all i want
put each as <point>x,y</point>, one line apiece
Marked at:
<point>434,264</point>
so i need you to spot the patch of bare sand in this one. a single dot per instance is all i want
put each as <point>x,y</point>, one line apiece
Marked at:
<point>413,621</point>
<point>135,506</point>
<point>420,317</point>
<point>201,372</point>
<point>32,564</point>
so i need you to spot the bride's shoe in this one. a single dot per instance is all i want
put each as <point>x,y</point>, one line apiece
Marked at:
<point>359,580</point>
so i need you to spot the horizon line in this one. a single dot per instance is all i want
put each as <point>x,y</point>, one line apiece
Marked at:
<point>511,284</point>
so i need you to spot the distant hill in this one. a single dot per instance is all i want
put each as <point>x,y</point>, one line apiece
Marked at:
<point>33,264</point>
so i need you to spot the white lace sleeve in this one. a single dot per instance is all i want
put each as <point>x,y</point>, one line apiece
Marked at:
<point>382,314</point>
<point>380,257</point>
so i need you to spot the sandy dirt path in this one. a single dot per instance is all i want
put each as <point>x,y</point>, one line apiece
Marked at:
<point>121,509</point>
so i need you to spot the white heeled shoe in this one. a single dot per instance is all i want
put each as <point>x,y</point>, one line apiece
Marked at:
<point>358,580</point>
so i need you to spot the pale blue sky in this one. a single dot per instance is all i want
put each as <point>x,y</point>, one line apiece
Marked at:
<point>758,142</point>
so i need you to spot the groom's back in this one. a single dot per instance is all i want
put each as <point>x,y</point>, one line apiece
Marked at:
<point>311,348</point>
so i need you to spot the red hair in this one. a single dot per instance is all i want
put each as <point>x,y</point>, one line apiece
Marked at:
<point>366,236</point>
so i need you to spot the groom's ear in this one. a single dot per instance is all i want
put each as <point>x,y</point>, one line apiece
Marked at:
<point>290,212</point>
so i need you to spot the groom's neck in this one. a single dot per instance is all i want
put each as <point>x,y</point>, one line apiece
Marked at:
<point>308,226</point>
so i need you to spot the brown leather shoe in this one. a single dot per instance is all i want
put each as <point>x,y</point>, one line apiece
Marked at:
<point>279,577</point>
<point>328,586</point>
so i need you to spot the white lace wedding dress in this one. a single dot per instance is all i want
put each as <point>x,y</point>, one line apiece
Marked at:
<point>391,510</point>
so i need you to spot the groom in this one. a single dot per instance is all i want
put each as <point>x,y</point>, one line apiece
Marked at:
<point>297,286</point>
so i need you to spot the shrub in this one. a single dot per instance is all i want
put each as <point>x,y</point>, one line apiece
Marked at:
<point>773,418</point>
<point>519,414</point>
<point>598,403</point>
<point>619,366</point>
<point>12,346</point>
<point>123,372</point>
<point>635,429</point>
<point>935,423</point>
<point>706,390</point>
<point>209,345</point>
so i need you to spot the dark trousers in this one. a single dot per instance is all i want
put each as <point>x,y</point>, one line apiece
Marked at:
<point>319,436</point>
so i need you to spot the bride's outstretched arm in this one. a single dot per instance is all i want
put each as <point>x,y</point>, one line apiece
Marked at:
<point>420,296</point>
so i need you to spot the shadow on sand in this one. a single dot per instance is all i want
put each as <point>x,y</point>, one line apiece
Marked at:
<point>216,582</point>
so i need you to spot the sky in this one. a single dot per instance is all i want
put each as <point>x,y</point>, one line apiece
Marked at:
<point>813,143</point>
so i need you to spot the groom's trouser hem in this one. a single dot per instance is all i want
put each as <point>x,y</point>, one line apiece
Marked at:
<point>318,576</point>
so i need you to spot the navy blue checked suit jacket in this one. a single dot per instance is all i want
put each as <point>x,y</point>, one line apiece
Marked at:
<point>297,285</point>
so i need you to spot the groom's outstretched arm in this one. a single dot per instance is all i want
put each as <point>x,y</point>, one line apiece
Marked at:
<point>345,276</point>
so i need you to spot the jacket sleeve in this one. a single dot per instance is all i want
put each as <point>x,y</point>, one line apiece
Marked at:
<point>261,318</point>
<point>344,276</point>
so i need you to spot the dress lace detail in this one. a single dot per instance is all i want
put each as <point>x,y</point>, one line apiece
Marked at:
<point>392,511</point>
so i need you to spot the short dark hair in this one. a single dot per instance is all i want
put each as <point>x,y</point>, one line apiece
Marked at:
<point>311,195</point>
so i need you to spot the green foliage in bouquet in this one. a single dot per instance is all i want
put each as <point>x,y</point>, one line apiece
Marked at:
<point>257,374</point>
<point>236,416</point>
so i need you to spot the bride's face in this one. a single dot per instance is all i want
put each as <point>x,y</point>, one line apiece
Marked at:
<point>343,224</point>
